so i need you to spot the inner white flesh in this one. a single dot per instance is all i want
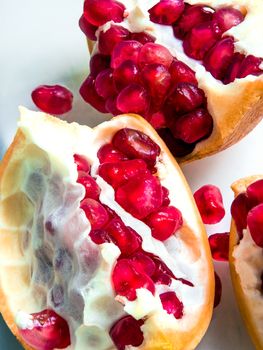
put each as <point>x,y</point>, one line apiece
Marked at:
<point>73,270</point>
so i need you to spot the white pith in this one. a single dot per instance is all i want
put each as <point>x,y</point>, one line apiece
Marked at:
<point>184,261</point>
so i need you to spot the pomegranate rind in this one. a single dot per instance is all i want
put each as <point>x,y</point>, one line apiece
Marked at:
<point>245,304</point>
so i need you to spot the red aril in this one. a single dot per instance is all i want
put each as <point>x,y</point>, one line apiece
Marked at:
<point>49,332</point>
<point>100,236</point>
<point>210,204</point>
<point>90,95</point>
<point>255,192</point>
<point>157,120</point>
<point>104,83</point>
<point>98,63</point>
<point>228,17</point>
<point>164,222</point>
<point>166,199</point>
<point>162,274</point>
<point>109,38</point>
<point>124,51</point>
<point>90,185</point>
<point>234,67</point>
<point>166,11</point>
<point>218,290</point>
<point>152,53</point>
<point>143,263</point>
<point>53,99</point>
<point>219,245</point>
<point>133,99</point>
<point>88,29</point>
<point>111,106</point>
<point>127,332</point>
<point>109,154</point>
<point>98,12</point>
<point>95,212</point>
<point>125,74</point>
<point>172,305</point>
<point>82,163</point>
<point>250,65</point>
<point>255,224</point>
<point>239,210</point>
<point>181,73</point>
<point>143,37</point>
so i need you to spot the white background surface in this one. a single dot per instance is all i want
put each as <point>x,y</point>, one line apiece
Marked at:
<point>40,43</point>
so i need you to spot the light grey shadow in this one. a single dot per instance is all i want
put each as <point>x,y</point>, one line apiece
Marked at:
<point>7,340</point>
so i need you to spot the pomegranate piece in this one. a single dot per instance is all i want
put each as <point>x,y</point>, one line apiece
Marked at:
<point>125,74</point>
<point>166,11</point>
<point>239,210</point>
<point>98,63</point>
<point>228,17</point>
<point>218,290</point>
<point>140,196</point>
<point>192,16</point>
<point>164,222</point>
<point>133,98</point>
<point>143,37</point>
<point>50,331</point>
<point>108,154</point>
<point>98,12</point>
<point>152,53</point>
<point>127,331</point>
<point>82,163</point>
<point>193,127</point>
<point>166,199</point>
<point>181,73</point>
<point>250,65</point>
<point>87,28</point>
<point>111,105</point>
<point>219,245</point>
<point>210,204</point>
<point>108,39</point>
<point>136,144</point>
<point>126,280</point>
<point>100,236</point>
<point>143,263</point>
<point>219,57</point>
<point>53,99</point>
<point>255,192</point>
<point>124,51</point>
<point>90,95</point>
<point>172,305</point>
<point>95,212</point>
<point>104,83</point>
<point>255,224</point>
<point>234,67</point>
<point>91,187</point>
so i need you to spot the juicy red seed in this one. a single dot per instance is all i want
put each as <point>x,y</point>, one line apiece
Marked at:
<point>136,144</point>
<point>228,17</point>
<point>88,29</point>
<point>152,53</point>
<point>124,51</point>
<point>143,37</point>
<point>104,84</point>
<point>162,274</point>
<point>161,278</point>
<point>143,263</point>
<point>111,106</point>
<point>49,331</point>
<point>210,204</point>
<point>82,163</point>
<point>109,154</point>
<point>181,73</point>
<point>98,63</point>
<point>172,305</point>
<point>255,192</point>
<point>219,57</point>
<point>91,187</point>
<point>127,331</point>
<point>164,222</point>
<point>99,236</point>
<point>95,212</point>
<point>125,74</point>
<point>255,224</point>
<point>186,97</point>
<point>250,65</point>
<point>193,127</point>
<point>118,173</point>
<point>192,16</point>
<point>126,280</point>
<point>157,120</point>
<point>54,99</point>
<point>110,38</point>
<point>200,39</point>
<point>239,210</point>
<point>218,290</point>
<point>219,245</point>
<point>234,67</point>
<point>99,12</point>
<point>133,98</point>
<point>166,11</point>
<point>89,94</point>
<point>166,199</point>
<point>140,196</point>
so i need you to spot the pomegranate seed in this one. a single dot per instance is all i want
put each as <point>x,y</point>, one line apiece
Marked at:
<point>89,94</point>
<point>111,106</point>
<point>98,12</point>
<point>140,196</point>
<point>239,210</point>
<point>91,187</point>
<point>127,331</point>
<point>228,17</point>
<point>162,274</point>
<point>49,331</point>
<point>152,53</point>
<point>133,98</point>
<point>210,204</point>
<point>157,120</point>
<point>186,97</point>
<point>112,36</point>
<point>218,290</point>
<point>166,11</point>
<point>250,65</point>
<point>136,144</point>
<point>104,84</point>
<point>98,63</point>
<point>165,222</point>
<point>143,37</point>
<point>82,163</point>
<point>166,199</point>
<point>100,236</point>
<point>234,68</point>
<point>200,39</point>
<point>125,74</point>
<point>219,245</point>
<point>54,99</point>
<point>95,212</point>
<point>116,174</point>
<point>255,224</point>
<point>181,73</point>
<point>124,51</point>
<point>143,263</point>
<point>192,16</point>
<point>126,280</point>
<point>193,127</point>
<point>109,154</point>
<point>172,305</point>
<point>88,29</point>
<point>255,192</point>
<point>219,57</point>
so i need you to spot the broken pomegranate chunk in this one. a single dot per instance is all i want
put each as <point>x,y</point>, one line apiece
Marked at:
<point>98,12</point>
<point>166,11</point>
<point>171,304</point>
<point>219,245</point>
<point>255,224</point>
<point>95,212</point>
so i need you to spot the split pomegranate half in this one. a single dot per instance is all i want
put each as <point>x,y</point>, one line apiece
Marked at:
<point>246,253</point>
<point>194,71</point>
<point>101,244</point>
